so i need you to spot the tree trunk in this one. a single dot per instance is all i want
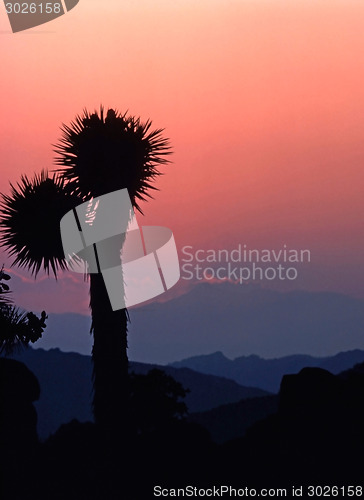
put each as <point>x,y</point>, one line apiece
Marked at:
<point>110,361</point>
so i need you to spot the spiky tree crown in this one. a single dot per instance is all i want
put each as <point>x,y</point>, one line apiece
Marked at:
<point>29,223</point>
<point>98,154</point>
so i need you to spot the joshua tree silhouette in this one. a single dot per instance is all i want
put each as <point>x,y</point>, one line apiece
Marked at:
<point>97,154</point>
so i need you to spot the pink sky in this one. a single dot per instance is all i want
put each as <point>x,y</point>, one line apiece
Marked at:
<point>263,102</point>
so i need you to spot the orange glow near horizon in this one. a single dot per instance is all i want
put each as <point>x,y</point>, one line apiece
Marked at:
<point>263,102</point>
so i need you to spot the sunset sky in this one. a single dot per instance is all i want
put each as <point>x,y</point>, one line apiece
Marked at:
<point>263,101</point>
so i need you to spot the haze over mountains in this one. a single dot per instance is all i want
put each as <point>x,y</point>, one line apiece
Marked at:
<point>232,318</point>
<point>211,318</point>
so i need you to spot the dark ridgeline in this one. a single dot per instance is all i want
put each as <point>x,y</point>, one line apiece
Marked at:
<point>315,437</point>
<point>66,381</point>
<point>97,154</point>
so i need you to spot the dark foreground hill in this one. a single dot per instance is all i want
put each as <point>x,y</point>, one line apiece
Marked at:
<point>313,442</point>
<point>312,387</point>
<point>66,388</point>
<point>232,420</point>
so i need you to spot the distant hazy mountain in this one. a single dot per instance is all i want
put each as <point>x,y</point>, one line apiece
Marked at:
<point>267,373</point>
<point>227,317</point>
<point>66,388</point>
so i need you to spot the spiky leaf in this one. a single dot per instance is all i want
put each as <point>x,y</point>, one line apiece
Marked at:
<point>98,154</point>
<point>29,222</point>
